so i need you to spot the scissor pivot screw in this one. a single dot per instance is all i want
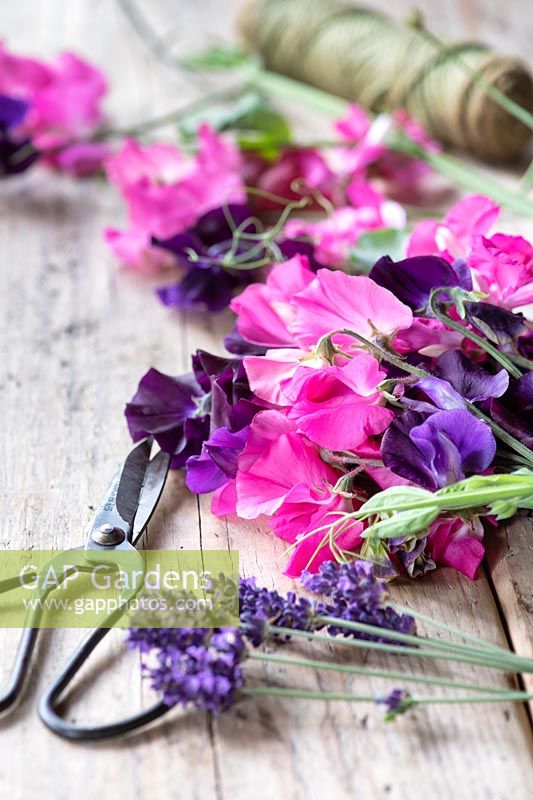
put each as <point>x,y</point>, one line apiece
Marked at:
<point>108,535</point>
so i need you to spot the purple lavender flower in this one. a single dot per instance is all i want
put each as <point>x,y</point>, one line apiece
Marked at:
<point>16,152</point>
<point>201,667</point>
<point>259,606</point>
<point>435,450</point>
<point>413,279</point>
<point>356,594</point>
<point>398,701</point>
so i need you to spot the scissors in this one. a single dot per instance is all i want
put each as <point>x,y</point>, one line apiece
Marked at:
<point>119,523</point>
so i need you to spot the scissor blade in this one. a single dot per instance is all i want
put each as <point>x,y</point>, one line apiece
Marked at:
<point>156,475</point>
<point>121,500</point>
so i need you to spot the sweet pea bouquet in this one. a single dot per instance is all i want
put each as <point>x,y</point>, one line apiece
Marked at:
<point>376,399</point>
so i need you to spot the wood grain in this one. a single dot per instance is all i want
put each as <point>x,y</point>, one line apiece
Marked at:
<point>76,336</point>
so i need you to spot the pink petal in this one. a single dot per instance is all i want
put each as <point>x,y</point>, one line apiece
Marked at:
<point>335,300</point>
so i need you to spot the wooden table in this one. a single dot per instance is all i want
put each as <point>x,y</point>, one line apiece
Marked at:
<point>77,335</point>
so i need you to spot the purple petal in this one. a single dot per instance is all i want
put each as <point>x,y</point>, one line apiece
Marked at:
<point>413,279</point>
<point>470,380</point>
<point>495,323</point>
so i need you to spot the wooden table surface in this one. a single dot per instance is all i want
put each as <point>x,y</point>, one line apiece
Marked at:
<point>77,335</point>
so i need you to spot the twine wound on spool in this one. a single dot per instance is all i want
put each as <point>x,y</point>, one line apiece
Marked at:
<point>362,55</point>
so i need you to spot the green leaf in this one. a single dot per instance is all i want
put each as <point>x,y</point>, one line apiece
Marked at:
<point>396,498</point>
<point>403,523</point>
<point>260,127</point>
<point>371,246</point>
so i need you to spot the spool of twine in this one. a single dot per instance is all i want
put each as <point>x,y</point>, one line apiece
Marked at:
<point>362,55</point>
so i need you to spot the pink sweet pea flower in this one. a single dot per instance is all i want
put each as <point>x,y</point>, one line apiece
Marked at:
<point>334,300</point>
<point>503,269</point>
<point>264,310</point>
<point>269,375</point>
<point>67,109</point>
<point>64,96</point>
<point>165,192</point>
<point>133,248</point>
<point>429,337</point>
<point>337,234</point>
<point>281,475</point>
<point>339,407</point>
<point>458,544</point>
<point>453,237</point>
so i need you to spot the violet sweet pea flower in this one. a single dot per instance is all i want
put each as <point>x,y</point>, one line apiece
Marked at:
<point>16,151</point>
<point>413,279</point>
<point>438,449</point>
<point>170,409</point>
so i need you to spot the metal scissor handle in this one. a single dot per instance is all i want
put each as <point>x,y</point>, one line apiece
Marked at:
<point>51,700</point>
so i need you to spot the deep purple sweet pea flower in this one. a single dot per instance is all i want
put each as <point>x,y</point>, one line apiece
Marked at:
<point>236,344</point>
<point>413,279</point>
<point>208,282</point>
<point>172,409</point>
<point>514,411</point>
<point>16,153</point>
<point>435,450</point>
<point>496,323</point>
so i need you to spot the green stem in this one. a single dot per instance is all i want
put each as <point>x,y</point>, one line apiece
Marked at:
<point>504,660</point>
<point>444,627</point>
<point>372,673</point>
<point>307,694</point>
<point>382,647</point>
<point>171,116</point>
<point>526,182</point>
<point>485,345</point>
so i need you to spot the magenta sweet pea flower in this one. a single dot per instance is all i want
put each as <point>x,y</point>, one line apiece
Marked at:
<point>334,300</point>
<point>64,96</point>
<point>264,310</point>
<point>457,543</point>
<point>453,237</point>
<point>134,249</point>
<point>167,192</point>
<point>280,474</point>
<point>503,270</point>
<point>339,407</point>
<point>63,101</point>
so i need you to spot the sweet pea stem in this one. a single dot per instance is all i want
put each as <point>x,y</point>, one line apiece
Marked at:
<point>496,354</point>
<point>385,355</point>
<point>373,673</point>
